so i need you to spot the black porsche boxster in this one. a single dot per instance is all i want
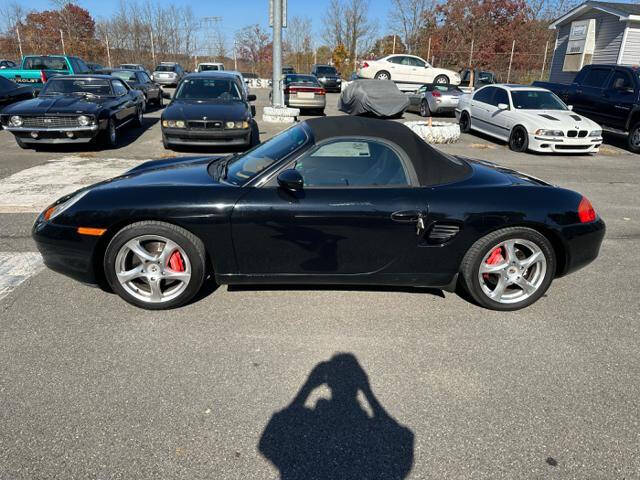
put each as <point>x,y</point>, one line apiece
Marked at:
<point>335,200</point>
<point>75,109</point>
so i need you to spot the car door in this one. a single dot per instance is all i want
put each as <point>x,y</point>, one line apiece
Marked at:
<point>356,215</point>
<point>588,98</point>
<point>415,98</point>
<point>398,68</point>
<point>124,105</point>
<point>619,98</point>
<point>499,120</point>
<point>480,103</point>
<point>419,71</point>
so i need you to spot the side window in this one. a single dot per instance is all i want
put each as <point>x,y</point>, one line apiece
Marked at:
<point>144,77</point>
<point>484,95</point>
<point>621,80</point>
<point>501,96</point>
<point>352,163</point>
<point>416,62</point>
<point>422,89</point>
<point>396,59</point>
<point>596,77</point>
<point>119,89</point>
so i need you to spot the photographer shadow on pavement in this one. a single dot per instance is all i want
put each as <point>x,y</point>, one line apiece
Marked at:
<point>338,438</point>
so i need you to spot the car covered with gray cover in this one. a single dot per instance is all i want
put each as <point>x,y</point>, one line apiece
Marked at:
<point>380,98</point>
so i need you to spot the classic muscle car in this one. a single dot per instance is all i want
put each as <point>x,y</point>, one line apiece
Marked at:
<point>75,109</point>
<point>334,200</point>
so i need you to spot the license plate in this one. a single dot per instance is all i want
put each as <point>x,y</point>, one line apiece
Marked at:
<point>305,94</point>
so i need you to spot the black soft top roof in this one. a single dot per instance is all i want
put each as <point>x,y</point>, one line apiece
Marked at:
<point>432,166</point>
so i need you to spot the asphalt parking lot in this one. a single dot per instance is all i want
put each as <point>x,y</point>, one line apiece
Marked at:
<point>91,387</point>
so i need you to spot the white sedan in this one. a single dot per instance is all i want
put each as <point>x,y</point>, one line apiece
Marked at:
<point>407,69</point>
<point>529,118</point>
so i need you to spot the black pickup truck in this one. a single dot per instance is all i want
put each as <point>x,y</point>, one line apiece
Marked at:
<point>608,95</point>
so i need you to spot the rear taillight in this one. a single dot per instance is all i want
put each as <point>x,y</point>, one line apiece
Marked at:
<point>365,65</point>
<point>436,93</point>
<point>43,76</point>
<point>321,91</point>
<point>316,90</point>
<point>586,213</point>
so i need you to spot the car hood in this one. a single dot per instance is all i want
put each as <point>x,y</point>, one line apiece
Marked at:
<point>193,110</point>
<point>59,104</point>
<point>558,119</point>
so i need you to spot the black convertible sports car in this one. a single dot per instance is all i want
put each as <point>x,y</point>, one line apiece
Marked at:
<point>75,109</point>
<point>335,200</point>
<point>210,108</point>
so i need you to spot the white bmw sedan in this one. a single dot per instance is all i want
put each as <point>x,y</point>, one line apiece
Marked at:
<point>529,118</point>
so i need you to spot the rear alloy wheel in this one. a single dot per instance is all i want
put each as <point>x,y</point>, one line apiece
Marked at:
<point>633,140</point>
<point>139,115</point>
<point>519,140</point>
<point>465,122</point>
<point>155,265</point>
<point>424,109</point>
<point>441,80</point>
<point>111,135</point>
<point>383,75</point>
<point>509,269</point>
<point>160,101</point>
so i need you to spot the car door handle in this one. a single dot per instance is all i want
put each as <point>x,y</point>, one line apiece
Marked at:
<point>407,216</point>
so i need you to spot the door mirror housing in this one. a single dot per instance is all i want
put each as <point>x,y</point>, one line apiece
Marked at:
<point>570,107</point>
<point>290,180</point>
<point>251,98</point>
<point>503,106</point>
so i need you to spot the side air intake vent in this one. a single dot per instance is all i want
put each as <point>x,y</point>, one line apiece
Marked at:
<point>549,117</point>
<point>576,118</point>
<point>441,233</point>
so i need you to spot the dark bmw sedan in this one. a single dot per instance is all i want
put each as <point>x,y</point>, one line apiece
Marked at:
<point>210,109</point>
<point>75,109</point>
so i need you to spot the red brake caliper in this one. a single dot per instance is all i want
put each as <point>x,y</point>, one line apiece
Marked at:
<point>175,262</point>
<point>495,258</point>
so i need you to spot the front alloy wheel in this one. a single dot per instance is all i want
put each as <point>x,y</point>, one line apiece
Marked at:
<point>155,265</point>
<point>633,140</point>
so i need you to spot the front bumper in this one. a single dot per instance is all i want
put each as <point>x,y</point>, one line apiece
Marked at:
<point>65,251</point>
<point>55,135</point>
<point>564,144</point>
<point>331,84</point>
<point>213,138</point>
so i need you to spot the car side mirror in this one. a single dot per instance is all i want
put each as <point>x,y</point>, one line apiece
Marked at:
<point>290,180</point>
<point>570,107</point>
<point>503,106</point>
<point>251,98</point>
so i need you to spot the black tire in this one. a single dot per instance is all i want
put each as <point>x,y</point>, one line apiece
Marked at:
<point>139,120</point>
<point>189,243</point>
<point>441,80</point>
<point>474,256</point>
<point>519,139</point>
<point>160,100</point>
<point>110,135</point>
<point>382,75</point>
<point>255,135</point>
<point>465,122</point>
<point>633,139</point>
<point>22,145</point>
<point>425,111</point>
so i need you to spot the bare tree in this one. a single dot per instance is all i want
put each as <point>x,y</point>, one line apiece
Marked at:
<point>252,44</point>
<point>12,14</point>
<point>407,18</point>
<point>347,23</point>
<point>298,40</point>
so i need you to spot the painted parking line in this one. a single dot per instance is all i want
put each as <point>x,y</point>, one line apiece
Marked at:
<point>33,189</point>
<point>16,267</point>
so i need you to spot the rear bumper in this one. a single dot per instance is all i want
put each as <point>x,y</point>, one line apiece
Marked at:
<point>166,81</point>
<point>294,101</point>
<point>216,138</point>
<point>582,244</point>
<point>65,251</point>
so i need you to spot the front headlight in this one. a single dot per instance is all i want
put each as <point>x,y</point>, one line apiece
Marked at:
<point>83,120</point>
<point>15,121</point>
<point>55,210</point>
<point>596,133</point>
<point>323,79</point>
<point>549,133</point>
<point>173,123</point>
<point>242,124</point>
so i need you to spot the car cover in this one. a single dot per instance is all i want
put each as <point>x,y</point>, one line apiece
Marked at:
<point>380,98</point>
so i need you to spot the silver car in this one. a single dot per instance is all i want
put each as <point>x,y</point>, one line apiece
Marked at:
<point>168,73</point>
<point>433,98</point>
<point>304,92</point>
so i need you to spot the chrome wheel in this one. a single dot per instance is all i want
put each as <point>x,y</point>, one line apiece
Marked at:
<point>634,139</point>
<point>424,109</point>
<point>382,76</point>
<point>512,271</point>
<point>113,135</point>
<point>153,268</point>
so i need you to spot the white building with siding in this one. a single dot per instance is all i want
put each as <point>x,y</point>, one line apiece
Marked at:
<point>598,33</point>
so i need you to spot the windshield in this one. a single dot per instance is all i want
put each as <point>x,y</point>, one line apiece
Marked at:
<point>247,166</point>
<point>165,68</point>
<point>301,79</point>
<point>326,71</point>
<point>124,75</point>
<point>62,86</point>
<point>45,63</point>
<point>536,100</point>
<point>208,89</point>
<point>204,68</point>
<point>130,66</point>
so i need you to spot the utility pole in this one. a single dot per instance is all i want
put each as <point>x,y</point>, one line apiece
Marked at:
<point>235,54</point>
<point>62,41</point>
<point>471,54</point>
<point>513,46</point>
<point>277,54</point>
<point>544,60</point>
<point>19,42</point>
<point>429,49</point>
<point>211,26</point>
<point>153,49</point>
<point>393,50</point>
